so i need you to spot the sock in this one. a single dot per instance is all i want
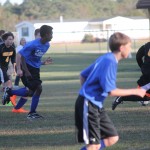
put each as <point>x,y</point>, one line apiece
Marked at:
<point>13,100</point>
<point>34,103</point>
<point>102,145</point>
<point>20,103</point>
<point>83,148</point>
<point>19,92</point>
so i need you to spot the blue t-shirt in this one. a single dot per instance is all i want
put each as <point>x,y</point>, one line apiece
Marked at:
<point>33,52</point>
<point>100,79</point>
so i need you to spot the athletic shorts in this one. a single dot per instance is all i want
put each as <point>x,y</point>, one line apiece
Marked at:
<point>34,82</point>
<point>92,123</point>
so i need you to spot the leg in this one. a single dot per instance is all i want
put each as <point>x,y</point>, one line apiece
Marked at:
<point>35,100</point>
<point>132,98</point>
<point>109,135</point>
<point>18,108</point>
<point>17,79</point>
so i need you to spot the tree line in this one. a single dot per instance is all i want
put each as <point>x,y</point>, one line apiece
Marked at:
<point>71,10</point>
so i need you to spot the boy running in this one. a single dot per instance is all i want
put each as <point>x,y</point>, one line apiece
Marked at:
<point>98,81</point>
<point>28,62</point>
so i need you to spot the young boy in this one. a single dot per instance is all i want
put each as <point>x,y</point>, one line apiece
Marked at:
<point>28,62</point>
<point>98,81</point>
<point>7,54</point>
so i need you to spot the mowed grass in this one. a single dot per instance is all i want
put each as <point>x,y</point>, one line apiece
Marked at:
<point>60,89</point>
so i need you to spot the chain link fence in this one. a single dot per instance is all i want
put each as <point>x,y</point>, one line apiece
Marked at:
<point>97,41</point>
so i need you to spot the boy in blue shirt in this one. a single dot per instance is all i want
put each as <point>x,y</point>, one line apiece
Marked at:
<point>28,63</point>
<point>98,81</point>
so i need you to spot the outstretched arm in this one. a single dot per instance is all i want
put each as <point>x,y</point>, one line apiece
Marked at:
<point>127,92</point>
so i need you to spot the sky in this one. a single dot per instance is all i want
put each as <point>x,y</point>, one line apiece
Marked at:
<point>12,1</point>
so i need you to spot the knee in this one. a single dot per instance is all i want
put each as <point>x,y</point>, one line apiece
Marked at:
<point>115,139</point>
<point>111,140</point>
<point>30,93</point>
<point>38,90</point>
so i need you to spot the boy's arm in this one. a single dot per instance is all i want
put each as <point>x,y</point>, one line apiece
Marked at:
<point>18,65</point>
<point>82,80</point>
<point>85,73</point>
<point>126,92</point>
<point>24,67</point>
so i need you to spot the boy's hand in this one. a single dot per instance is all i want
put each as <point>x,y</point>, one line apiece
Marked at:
<point>48,61</point>
<point>19,73</point>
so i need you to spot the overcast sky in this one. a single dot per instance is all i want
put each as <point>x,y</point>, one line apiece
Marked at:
<point>12,1</point>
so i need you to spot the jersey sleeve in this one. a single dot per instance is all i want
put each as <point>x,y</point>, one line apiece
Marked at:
<point>13,57</point>
<point>27,50</point>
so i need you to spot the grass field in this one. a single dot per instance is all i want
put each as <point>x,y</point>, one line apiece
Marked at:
<point>60,89</point>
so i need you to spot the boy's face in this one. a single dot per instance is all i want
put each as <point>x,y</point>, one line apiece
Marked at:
<point>9,41</point>
<point>125,50</point>
<point>49,36</point>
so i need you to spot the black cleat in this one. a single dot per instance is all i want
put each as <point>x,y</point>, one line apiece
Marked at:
<point>34,115</point>
<point>116,102</point>
<point>6,96</point>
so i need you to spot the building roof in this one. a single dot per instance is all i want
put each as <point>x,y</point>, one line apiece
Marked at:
<point>143,4</point>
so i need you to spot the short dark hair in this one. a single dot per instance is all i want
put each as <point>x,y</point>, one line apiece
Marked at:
<point>2,32</point>
<point>36,31</point>
<point>45,29</point>
<point>6,35</point>
<point>117,39</point>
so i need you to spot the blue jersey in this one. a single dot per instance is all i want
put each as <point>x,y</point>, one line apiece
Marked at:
<point>100,79</point>
<point>33,52</point>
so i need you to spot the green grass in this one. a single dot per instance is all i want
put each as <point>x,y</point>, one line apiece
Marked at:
<point>60,89</point>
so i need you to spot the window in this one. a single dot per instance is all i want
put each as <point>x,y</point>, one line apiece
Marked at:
<point>25,31</point>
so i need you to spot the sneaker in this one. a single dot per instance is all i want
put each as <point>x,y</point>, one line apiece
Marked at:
<point>144,103</point>
<point>6,96</point>
<point>116,102</point>
<point>34,115</point>
<point>21,110</point>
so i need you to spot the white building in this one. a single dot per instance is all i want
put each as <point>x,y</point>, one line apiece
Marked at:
<point>75,31</point>
<point>62,31</point>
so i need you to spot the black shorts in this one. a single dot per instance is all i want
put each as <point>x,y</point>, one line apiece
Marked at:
<point>34,82</point>
<point>92,123</point>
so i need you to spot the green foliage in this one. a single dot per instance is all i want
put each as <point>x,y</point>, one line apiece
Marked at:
<point>70,10</point>
<point>88,38</point>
